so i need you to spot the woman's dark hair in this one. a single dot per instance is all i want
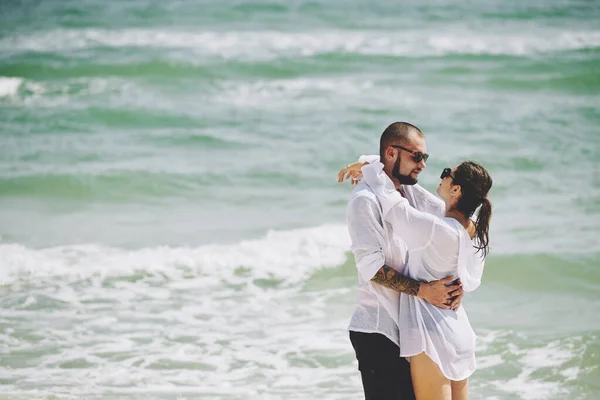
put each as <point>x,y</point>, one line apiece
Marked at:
<point>475,183</point>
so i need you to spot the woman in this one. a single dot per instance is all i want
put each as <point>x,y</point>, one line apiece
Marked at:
<point>440,344</point>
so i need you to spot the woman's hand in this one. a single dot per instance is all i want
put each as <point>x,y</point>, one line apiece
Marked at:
<point>352,171</point>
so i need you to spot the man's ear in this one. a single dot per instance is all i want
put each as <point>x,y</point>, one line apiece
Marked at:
<point>389,152</point>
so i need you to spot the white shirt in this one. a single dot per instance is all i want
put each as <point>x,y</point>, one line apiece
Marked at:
<point>374,244</point>
<point>437,247</point>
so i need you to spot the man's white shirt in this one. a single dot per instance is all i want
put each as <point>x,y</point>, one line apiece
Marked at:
<point>374,245</point>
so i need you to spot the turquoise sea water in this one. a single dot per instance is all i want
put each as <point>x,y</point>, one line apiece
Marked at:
<point>170,222</point>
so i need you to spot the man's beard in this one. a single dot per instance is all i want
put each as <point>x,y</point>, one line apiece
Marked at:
<point>403,179</point>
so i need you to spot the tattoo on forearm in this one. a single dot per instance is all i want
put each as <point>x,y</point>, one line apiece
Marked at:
<point>389,278</point>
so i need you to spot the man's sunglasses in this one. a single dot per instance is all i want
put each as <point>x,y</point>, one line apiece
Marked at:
<point>446,172</point>
<point>417,155</point>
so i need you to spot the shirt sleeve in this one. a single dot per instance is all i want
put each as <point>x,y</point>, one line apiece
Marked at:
<point>368,159</point>
<point>367,235</point>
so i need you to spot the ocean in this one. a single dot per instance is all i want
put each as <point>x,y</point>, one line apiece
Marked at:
<point>171,226</point>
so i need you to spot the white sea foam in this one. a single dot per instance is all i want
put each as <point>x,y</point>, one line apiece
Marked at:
<point>289,256</point>
<point>274,44</point>
<point>180,321</point>
<point>530,370</point>
<point>553,358</point>
<point>80,92</point>
<point>9,86</point>
<point>283,92</point>
<point>198,322</point>
<point>69,92</point>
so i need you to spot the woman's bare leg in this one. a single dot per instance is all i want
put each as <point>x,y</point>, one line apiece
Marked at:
<point>460,389</point>
<point>428,380</point>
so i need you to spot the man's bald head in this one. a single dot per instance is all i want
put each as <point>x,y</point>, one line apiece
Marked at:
<point>398,133</point>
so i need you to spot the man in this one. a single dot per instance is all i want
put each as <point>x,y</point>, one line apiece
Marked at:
<point>380,259</point>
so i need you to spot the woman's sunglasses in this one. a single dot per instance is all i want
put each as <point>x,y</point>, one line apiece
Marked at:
<point>446,172</point>
<point>417,155</point>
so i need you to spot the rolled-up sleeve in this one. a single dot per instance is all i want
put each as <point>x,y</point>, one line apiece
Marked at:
<point>368,158</point>
<point>367,235</point>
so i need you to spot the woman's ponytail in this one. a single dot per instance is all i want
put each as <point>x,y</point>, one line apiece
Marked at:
<point>475,183</point>
<point>482,226</point>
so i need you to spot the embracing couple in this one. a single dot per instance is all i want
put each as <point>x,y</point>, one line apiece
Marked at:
<point>415,254</point>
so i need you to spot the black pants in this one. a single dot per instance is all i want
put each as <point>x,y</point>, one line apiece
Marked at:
<point>385,375</point>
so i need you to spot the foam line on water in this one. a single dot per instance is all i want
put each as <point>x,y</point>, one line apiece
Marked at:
<point>274,44</point>
<point>59,93</point>
<point>296,92</point>
<point>289,256</point>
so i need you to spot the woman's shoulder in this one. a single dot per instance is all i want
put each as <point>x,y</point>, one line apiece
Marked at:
<point>470,233</point>
<point>445,233</point>
<point>450,231</point>
<point>451,224</point>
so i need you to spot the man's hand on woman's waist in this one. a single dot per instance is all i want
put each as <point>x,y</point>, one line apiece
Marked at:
<point>446,293</point>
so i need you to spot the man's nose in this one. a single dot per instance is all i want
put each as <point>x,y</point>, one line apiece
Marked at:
<point>422,164</point>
